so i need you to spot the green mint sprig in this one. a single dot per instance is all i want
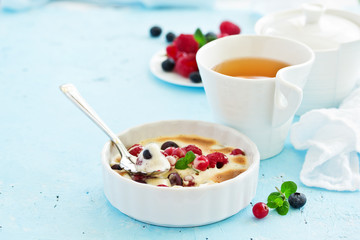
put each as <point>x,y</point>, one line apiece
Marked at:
<point>184,162</point>
<point>200,38</point>
<point>279,200</point>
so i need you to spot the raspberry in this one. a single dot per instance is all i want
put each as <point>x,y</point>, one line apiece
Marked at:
<point>186,64</point>
<point>186,43</point>
<point>260,210</point>
<point>172,51</point>
<point>221,35</point>
<point>217,159</point>
<point>229,28</point>
<point>193,148</point>
<point>201,163</point>
<point>237,151</point>
<point>135,149</point>
<point>176,152</point>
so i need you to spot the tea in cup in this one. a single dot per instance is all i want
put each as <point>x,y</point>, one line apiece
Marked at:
<point>254,84</point>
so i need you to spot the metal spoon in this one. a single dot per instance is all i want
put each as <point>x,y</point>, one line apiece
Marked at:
<point>127,161</point>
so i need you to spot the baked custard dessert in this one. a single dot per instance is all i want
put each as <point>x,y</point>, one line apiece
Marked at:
<point>193,161</point>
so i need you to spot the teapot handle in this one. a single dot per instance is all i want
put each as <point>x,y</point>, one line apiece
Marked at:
<point>287,99</point>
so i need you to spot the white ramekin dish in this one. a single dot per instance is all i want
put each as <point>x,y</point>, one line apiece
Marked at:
<point>188,206</point>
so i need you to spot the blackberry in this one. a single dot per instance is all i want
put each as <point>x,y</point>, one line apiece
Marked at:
<point>155,31</point>
<point>168,65</point>
<point>195,77</point>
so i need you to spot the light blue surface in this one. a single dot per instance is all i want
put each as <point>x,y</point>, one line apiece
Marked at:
<point>50,177</point>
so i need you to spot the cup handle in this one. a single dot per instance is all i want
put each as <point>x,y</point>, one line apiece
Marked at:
<point>287,99</point>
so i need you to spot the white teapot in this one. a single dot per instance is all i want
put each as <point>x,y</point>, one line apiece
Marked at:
<point>334,35</point>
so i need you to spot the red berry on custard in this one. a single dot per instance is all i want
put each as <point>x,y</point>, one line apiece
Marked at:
<point>217,159</point>
<point>188,181</point>
<point>237,151</point>
<point>135,149</point>
<point>193,148</point>
<point>176,152</point>
<point>201,163</point>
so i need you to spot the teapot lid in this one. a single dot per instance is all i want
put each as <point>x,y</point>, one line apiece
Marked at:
<point>313,25</point>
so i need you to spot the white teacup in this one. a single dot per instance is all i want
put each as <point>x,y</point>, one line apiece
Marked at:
<point>263,108</point>
<point>334,35</point>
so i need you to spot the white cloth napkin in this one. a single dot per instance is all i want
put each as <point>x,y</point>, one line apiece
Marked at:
<point>332,137</point>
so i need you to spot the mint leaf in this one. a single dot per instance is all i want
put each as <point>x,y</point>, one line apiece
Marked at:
<point>284,209</point>
<point>184,162</point>
<point>288,188</point>
<point>275,200</point>
<point>200,38</point>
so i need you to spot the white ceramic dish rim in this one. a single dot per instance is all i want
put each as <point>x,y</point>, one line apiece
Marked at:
<point>251,168</point>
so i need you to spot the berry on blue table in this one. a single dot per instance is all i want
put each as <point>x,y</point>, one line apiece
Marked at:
<point>297,200</point>
<point>260,210</point>
<point>155,31</point>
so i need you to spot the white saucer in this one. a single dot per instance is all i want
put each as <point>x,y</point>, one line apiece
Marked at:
<point>171,77</point>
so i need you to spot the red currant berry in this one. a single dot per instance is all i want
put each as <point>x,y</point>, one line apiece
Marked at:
<point>176,152</point>
<point>237,151</point>
<point>135,149</point>
<point>193,148</point>
<point>201,163</point>
<point>188,181</point>
<point>217,157</point>
<point>260,210</point>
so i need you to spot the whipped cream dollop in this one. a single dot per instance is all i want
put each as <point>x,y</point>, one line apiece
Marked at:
<point>151,159</point>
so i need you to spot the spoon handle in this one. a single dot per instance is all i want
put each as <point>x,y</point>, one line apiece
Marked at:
<point>72,93</point>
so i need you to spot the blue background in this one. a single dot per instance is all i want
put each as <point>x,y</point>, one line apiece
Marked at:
<point>50,177</point>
